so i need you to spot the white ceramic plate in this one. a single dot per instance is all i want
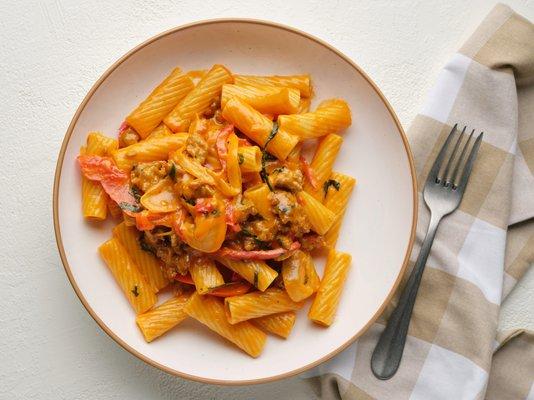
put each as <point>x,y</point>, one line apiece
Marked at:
<point>378,229</point>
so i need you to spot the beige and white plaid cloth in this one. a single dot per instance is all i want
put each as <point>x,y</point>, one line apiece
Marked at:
<point>453,350</point>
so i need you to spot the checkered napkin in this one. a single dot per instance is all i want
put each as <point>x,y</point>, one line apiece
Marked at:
<point>453,349</point>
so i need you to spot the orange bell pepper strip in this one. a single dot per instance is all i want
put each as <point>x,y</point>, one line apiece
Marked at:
<point>231,289</point>
<point>146,220</point>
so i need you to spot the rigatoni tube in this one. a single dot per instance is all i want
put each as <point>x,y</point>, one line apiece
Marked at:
<point>326,300</point>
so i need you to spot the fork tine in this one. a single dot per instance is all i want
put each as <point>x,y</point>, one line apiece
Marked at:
<point>433,174</point>
<point>452,157</point>
<point>456,173</point>
<point>469,163</point>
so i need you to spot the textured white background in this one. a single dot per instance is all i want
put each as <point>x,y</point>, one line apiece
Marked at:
<point>51,52</point>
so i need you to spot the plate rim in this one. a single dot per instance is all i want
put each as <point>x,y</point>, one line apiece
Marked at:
<point>57,179</point>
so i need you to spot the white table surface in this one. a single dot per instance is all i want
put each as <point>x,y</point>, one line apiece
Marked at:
<point>51,52</point>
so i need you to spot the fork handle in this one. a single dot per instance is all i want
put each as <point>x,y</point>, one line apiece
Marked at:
<point>387,354</point>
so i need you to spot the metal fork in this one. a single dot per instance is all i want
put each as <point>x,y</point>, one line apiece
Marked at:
<point>443,192</point>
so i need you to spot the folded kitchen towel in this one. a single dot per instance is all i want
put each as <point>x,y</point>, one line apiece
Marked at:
<point>453,349</point>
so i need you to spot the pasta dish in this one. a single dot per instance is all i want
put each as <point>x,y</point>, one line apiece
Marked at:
<point>216,202</point>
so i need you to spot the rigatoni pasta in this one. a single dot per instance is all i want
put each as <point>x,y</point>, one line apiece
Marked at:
<point>259,196</point>
<point>210,311</point>
<point>259,128</point>
<point>299,275</point>
<point>249,158</point>
<point>199,99</point>
<point>205,275</point>
<point>258,304</point>
<point>147,262</point>
<point>160,102</point>
<point>138,291</point>
<point>325,304</point>
<point>300,82</point>
<point>155,149</point>
<point>232,161</point>
<point>336,200</point>
<point>277,324</point>
<point>331,116</point>
<point>94,198</point>
<point>322,163</point>
<point>217,201</point>
<point>265,99</point>
<point>320,217</point>
<point>256,272</point>
<point>163,318</point>
<point>159,131</point>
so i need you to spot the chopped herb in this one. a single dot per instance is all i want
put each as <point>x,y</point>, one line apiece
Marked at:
<point>135,291</point>
<point>260,243</point>
<point>172,171</point>
<point>129,207</point>
<point>191,202</point>
<point>136,192</point>
<point>144,245</point>
<point>256,275</point>
<point>278,170</point>
<point>215,213</point>
<point>331,182</point>
<point>246,232</point>
<point>264,154</point>
<point>271,136</point>
<point>265,178</point>
<point>240,158</point>
<point>270,157</point>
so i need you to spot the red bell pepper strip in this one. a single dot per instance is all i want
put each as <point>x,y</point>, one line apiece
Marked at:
<point>184,279</point>
<point>220,143</point>
<point>113,180</point>
<point>256,254</point>
<point>308,173</point>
